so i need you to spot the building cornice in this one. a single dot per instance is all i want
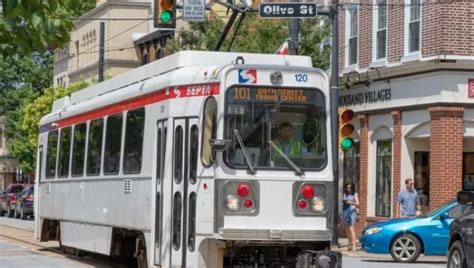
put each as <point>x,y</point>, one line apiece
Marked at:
<point>82,20</point>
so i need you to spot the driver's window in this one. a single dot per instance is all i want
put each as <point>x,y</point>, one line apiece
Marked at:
<point>208,131</point>
<point>457,211</point>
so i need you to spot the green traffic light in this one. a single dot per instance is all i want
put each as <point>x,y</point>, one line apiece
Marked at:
<point>166,16</point>
<point>346,143</point>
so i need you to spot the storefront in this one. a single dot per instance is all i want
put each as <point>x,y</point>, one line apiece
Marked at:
<point>418,126</point>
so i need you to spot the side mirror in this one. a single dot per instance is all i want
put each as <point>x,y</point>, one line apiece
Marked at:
<point>219,145</point>
<point>443,216</point>
<point>465,197</point>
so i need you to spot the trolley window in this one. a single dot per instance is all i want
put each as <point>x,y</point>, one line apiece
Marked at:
<point>78,149</point>
<point>94,147</point>
<point>192,222</point>
<point>51,154</point>
<point>64,152</point>
<point>177,204</point>
<point>113,139</point>
<point>209,131</point>
<point>194,153</point>
<point>158,157</point>
<point>276,126</point>
<point>178,155</point>
<point>132,162</point>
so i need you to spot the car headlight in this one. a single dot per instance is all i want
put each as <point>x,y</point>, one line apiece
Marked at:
<point>373,230</point>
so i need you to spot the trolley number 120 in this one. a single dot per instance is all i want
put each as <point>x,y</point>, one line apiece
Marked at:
<point>302,78</point>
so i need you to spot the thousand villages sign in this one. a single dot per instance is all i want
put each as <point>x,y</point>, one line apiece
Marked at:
<point>366,97</point>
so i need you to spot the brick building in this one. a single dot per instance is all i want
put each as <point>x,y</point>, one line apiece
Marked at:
<point>411,66</point>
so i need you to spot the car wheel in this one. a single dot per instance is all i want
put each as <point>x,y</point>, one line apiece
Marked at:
<point>405,248</point>
<point>23,214</point>
<point>456,257</point>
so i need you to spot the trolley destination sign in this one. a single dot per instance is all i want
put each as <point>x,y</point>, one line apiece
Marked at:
<point>287,10</point>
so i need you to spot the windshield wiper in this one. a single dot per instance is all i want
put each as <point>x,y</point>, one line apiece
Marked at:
<point>298,170</point>
<point>244,150</point>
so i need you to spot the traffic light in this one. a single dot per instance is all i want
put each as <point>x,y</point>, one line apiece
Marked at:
<point>346,128</point>
<point>165,14</point>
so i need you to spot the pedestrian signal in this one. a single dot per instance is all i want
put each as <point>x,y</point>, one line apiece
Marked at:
<point>346,128</point>
<point>165,14</point>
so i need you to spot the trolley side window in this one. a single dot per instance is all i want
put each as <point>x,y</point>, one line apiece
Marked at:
<point>64,152</point>
<point>51,154</point>
<point>194,153</point>
<point>192,222</point>
<point>132,162</point>
<point>113,139</point>
<point>177,221</point>
<point>94,147</point>
<point>209,131</point>
<point>178,155</point>
<point>78,149</point>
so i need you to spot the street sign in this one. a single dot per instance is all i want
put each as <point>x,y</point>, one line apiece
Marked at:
<point>287,10</point>
<point>194,10</point>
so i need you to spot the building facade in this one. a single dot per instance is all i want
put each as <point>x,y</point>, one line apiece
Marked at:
<point>124,21</point>
<point>408,71</point>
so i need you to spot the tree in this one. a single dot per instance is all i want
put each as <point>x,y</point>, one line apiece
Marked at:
<point>23,143</point>
<point>36,25</point>
<point>256,35</point>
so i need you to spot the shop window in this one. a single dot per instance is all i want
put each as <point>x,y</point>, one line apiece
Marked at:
<point>132,161</point>
<point>113,139</point>
<point>64,152</point>
<point>351,165</point>
<point>78,149</point>
<point>94,147</point>
<point>384,178</point>
<point>422,179</point>
<point>468,171</point>
<point>51,154</point>
<point>209,131</point>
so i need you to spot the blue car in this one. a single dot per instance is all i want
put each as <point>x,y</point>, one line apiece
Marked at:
<point>406,238</point>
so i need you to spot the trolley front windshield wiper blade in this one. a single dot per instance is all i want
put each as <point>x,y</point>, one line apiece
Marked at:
<point>244,150</point>
<point>298,170</point>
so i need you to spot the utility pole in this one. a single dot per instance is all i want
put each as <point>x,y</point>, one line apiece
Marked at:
<point>334,100</point>
<point>101,51</point>
<point>294,34</point>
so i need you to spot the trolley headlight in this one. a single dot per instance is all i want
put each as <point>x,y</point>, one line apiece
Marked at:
<point>318,204</point>
<point>373,230</point>
<point>232,203</point>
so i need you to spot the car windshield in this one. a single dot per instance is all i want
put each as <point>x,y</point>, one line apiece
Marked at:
<point>293,119</point>
<point>17,189</point>
<point>435,211</point>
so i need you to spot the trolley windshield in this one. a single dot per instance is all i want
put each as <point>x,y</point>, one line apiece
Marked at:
<point>277,128</point>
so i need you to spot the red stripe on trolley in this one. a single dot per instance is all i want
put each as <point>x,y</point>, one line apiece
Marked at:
<point>175,92</point>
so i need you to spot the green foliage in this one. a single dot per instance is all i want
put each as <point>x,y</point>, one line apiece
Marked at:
<point>23,124</point>
<point>255,35</point>
<point>36,25</point>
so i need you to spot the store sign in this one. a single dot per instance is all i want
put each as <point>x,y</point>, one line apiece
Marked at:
<point>470,88</point>
<point>366,97</point>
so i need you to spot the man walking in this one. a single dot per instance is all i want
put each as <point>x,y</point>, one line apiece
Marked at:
<point>407,201</point>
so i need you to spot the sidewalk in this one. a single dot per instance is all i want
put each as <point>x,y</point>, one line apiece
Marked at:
<point>343,243</point>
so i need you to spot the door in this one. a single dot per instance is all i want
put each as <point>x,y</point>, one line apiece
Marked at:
<point>161,156</point>
<point>183,192</point>
<point>440,228</point>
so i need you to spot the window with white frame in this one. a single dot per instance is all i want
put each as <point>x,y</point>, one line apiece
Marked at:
<point>380,23</point>
<point>352,33</point>
<point>414,29</point>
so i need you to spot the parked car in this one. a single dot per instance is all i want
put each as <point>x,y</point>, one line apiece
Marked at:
<point>8,200</point>
<point>24,203</point>
<point>461,242</point>
<point>406,238</point>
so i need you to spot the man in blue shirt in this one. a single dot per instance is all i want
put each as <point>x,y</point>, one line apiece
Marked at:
<point>407,201</point>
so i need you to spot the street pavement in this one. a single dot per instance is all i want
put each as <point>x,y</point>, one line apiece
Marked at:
<point>18,249</point>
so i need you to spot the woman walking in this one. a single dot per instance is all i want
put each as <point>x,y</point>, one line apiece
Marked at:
<point>349,213</point>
